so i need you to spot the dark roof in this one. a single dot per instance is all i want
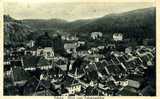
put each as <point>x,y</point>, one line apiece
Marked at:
<point>85,78</point>
<point>110,84</point>
<point>7,67</point>
<point>68,81</point>
<point>92,67</point>
<point>43,62</point>
<point>30,61</point>
<point>101,65</point>
<point>115,61</point>
<point>121,59</point>
<point>55,71</point>
<point>93,75</point>
<point>34,85</point>
<point>91,91</point>
<point>114,69</point>
<point>19,74</point>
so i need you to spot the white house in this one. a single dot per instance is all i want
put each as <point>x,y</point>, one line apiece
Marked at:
<point>31,43</point>
<point>70,47</point>
<point>47,52</point>
<point>96,35</point>
<point>74,88</point>
<point>122,83</point>
<point>118,36</point>
<point>69,38</point>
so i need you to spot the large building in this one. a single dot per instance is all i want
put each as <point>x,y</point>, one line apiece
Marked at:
<point>118,36</point>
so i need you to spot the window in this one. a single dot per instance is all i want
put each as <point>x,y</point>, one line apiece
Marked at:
<point>48,54</point>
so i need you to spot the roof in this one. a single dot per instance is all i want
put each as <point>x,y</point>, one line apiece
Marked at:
<point>43,62</point>
<point>114,69</point>
<point>100,65</point>
<point>19,74</point>
<point>111,84</point>
<point>68,81</point>
<point>55,70</point>
<point>133,83</point>
<point>127,91</point>
<point>91,91</point>
<point>85,78</point>
<point>30,61</point>
<point>92,75</point>
<point>34,86</point>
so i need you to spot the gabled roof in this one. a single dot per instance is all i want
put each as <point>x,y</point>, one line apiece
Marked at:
<point>35,86</point>
<point>68,81</point>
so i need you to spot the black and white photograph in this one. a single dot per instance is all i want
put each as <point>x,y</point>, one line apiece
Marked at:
<point>79,48</point>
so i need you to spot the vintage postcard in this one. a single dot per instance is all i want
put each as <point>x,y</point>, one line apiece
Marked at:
<point>79,48</point>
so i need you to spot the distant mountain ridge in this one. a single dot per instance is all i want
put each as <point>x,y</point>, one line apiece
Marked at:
<point>137,23</point>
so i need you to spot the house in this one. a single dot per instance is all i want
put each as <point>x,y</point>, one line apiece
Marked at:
<point>104,89</point>
<point>101,47</point>
<point>81,43</point>
<point>102,70</point>
<point>31,43</point>
<point>46,52</point>
<point>31,51</point>
<point>116,71</point>
<point>69,38</point>
<point>20,49</point>
<point>56,74</point>
<point>74,88</point>
<point>17,63</point>
<point>123,83</point>
<point>7,70</point>
<point>72,85</point>
<point>117,36</point>
<point>70,47</point>
<point>16,54</point>
<point>33,62</point>
<point>82,53</point>
<point>95,35</point>
<point>62,64</point>
<point>7,65</point>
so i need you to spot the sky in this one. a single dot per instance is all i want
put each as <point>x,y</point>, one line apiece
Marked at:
<point>69,10</point>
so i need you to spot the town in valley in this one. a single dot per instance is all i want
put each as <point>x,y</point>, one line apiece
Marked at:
<point>114,55</point>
